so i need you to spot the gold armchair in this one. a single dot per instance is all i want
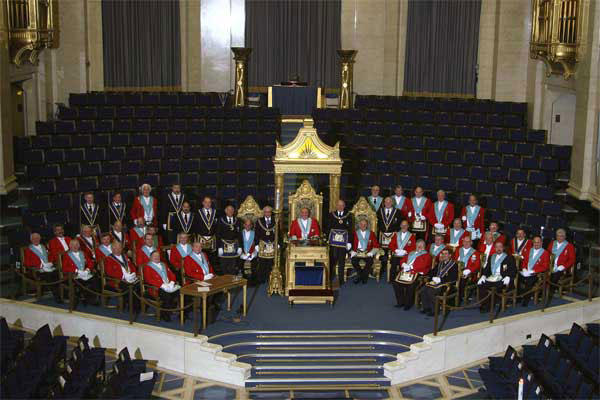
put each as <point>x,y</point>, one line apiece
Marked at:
<point>305,197</point>
<point>249,210</point>
<point>363,210</point>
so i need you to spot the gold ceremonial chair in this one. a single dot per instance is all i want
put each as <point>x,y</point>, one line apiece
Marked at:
<point>363,210</point>
<point>305,197</point>
<point>567,281</point>
<point>249,209</point>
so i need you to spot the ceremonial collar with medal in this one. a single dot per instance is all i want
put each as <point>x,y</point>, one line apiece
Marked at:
<point>445,267</point>
<point>114,235</point>
<point>387,221</point>
<point>342,218</point>
<point>87,242</point>
<point>208,223</point>
<point>119,214</point>
<point>188,226</point>
<point>91,217</point>
<point>231,225</point>
<point>267,230</point>
<point>124,263</point>
<point>176,204</point>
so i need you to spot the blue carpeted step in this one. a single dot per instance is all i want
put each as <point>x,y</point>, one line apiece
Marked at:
<point>315,347</point>
<point>320,371</point>
<point>347,383</point>
<point>291,359</point>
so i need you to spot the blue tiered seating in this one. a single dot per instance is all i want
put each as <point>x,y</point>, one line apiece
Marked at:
<point>104,142</point>
<point>569,370</point>
<point>458,145</point>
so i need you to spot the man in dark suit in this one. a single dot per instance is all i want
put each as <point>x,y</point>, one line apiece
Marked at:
<point>445,271</point>
<point>184,221</point>
<point>388,223</point>
<point>117,210</point>
<point>170,204</point>
<point>499,272</point>
<point>340,231</point>
<point>207,229</point>
<point>228,239</point>
<point>92,215</point>
<point>265,242</point>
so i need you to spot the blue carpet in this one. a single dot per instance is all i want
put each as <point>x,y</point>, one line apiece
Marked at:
<point>369,306</point>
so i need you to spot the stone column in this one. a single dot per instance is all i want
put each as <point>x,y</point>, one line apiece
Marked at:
<point>347,80</point>
<point>334,190</point>
<point>8,180</point>
<point>241,55</point>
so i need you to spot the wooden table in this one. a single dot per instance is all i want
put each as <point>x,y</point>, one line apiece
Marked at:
<point>219,284</point>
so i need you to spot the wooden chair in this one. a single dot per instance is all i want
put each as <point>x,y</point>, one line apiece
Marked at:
<point>471,284</point>
<point>452,290</point>
<point>422,280</point>
<point>31,273</point>
<point>567,281</point>
<point>145,294</point>
<point>363,210</point>
<point>107,289</point>
<point>507,294</point>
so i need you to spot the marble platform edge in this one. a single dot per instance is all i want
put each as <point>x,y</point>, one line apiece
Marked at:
<point>172,349</point>
<point>456,347</point>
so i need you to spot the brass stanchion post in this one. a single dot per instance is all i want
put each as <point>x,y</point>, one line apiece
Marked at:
<point>241,56</point>
<point>347,82</point>
<point>276,279</point>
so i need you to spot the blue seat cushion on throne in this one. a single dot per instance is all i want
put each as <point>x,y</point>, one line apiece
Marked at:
<point>309,276</point>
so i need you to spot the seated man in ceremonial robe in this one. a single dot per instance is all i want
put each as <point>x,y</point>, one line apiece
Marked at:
<point>77,262</point>
<point>264,238</point>
<point>118,266</point>
<point>228,234</point>
<point>441,214</point>
<point>472,217</point>
<point>364,249</point>
<point>249,251</point>
<point>58,244</point>
<point>401,202</point>
<point>496,234</point>
<point>305,227</point>
<point>418,263</point>
<point>196,264</point>
<point>487,245</point>
<point>145,206</point>
<point>375,200</point>
<point>402,243</point>
<point>36,258</point>
<point>536,260</point>
<point>435,249</point>
<point>137,232</point>
<point>388,222</point>
<point>499,272</point>
<point>88,242</point>
<point>340,229</point>
<point>519,245</point>
<point>118,235</point>
<point>564,258</point>
<point>161,283</point>
<point>104,249</point>
<point>445,272</point>
<point>144,252</point>
<point>179,251</point>
<point>471,260</point>
<point>456,234</point>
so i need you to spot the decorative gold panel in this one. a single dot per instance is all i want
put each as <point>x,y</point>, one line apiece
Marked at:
<point>241,56</point>
<point>250,209</point>
<point>347,82</point>
<point>363,210</point>
<point>558,33</point>
<point>32,27</point>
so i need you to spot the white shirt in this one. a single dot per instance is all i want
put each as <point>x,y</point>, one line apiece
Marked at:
<point>77,255</point>
<point>89,240</point>
<point>246,234</point>
<point>363,234</point>
<point>118,234</point>
<point>268,220</point>
<point>107,248</point>
<point>62,241</point>
<point>519,242</point>
<point>186,217</point>
<point>419,199</point>
<point>403,235</point>
<point>398,198</point>
<point>455,233</point>
<point>120,258</point>
<point>472,209</point>
<point>176,197</point>
<point>437,247</point>
<point>439,205</point>
<point>388,211</point>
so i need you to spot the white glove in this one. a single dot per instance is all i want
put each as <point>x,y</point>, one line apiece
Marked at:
<point>436,280</point>
<point>371,253</point>
<point>466,272</point>
<point>481,280</point>
<point>239,251</point>
<point>165,287</point>
<point>220,251</point>
<point>422,218</point>
<point>352,254</point>
<point>560,268</point>
<point>506,280</point>
<point>409,214</point>
<point>47,265</point>
<point>348,246</point>
<point>439,226</point>
<point>208,276</point>
<point>525,272</point>
<point>464,218</point>
<point>401,252</point>
<point>406,267</point>
<point>164,227</point>
<point>256,248</point>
